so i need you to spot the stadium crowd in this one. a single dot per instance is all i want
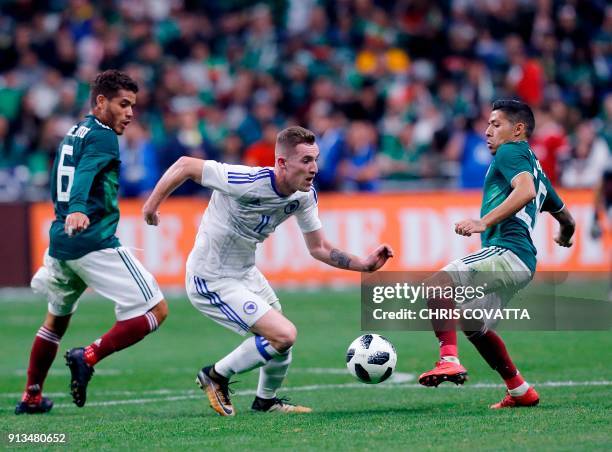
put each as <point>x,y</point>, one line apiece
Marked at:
<point>398,92</point>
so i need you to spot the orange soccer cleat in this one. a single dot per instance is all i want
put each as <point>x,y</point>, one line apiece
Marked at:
<point>530,398</point>
<point>444,371</point>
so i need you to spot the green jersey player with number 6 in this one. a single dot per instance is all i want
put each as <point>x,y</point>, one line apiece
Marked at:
<point>84,251</point>
<point>515,191</point>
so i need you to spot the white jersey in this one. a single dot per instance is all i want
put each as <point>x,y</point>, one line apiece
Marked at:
<point>244,210</point>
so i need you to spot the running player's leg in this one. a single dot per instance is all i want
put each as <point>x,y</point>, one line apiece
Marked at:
<point>493,350</point>
<point>232,304</point>
<point>139,308</point>
<point>62,288</point>
<point>493,268</point>
<point>505,274</point>
<point>273,373</point>
<point>448,367</point>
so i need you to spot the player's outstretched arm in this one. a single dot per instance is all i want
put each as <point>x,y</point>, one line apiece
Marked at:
<point>323,251</point>
<point>523,192</point>
<point>567,226</point>
<point>181,170</point>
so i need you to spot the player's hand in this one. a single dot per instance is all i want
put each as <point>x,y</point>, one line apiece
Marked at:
<point>565,242</point>
<point>469,227</point>
<point>151,216</point>
<point>76,222</point>
<point>378,258</point>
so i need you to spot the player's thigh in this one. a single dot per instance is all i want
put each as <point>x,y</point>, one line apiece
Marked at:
<point>227,301</point>
<point>59,284</point>
<point>257,283</point>
<point>489,270</point>
<point>117,275</point>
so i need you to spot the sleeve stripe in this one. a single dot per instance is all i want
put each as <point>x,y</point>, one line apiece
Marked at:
<point>528,172</point>
<point>247,181</point>
<point>247,175</point>
<point>557,211</point>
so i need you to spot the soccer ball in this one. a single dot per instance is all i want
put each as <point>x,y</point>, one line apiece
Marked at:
<point>371,358</point>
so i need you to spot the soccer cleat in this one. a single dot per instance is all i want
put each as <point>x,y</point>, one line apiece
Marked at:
<point>217,391</point>
<point>80,374</point>
<point>530,398</point>
<point>33,403</point>
<point>444,371</point>
<point>277,405</point>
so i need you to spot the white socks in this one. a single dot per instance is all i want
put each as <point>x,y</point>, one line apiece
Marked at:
<point>520,390</point>
<point>452,359</point>
<point>271,375</point>
<point>253,352</point>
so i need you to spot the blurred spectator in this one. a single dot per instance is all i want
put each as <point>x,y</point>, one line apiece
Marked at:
<point>470,149</point>
<point>400,155</point>
<point>328,128</point>
<point>261,153</point>
<point>359,169</point>
<point>231,149</point>
<point>139,170</point>
<point>590,156</point>
<point>549,143</point>
<point>399,81</point>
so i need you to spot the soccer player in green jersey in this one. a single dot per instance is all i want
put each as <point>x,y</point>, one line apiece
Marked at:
<point>515,191</point>
<point>84,251</point>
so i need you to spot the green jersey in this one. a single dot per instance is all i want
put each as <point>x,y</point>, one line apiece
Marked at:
<point>514,233</point>
<point>85,178</point>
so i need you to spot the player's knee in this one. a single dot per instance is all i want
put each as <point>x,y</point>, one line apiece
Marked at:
<point>160,311</point>
<point>56,324</point>
<point>474,335</point>
<point>285,338</point>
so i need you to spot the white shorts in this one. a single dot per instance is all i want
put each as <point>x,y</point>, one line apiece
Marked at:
<point>501,272</point>
<point>113,273</point>
<point>234,303</point>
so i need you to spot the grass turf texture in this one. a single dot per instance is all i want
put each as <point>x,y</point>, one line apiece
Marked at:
<point>146,395</point>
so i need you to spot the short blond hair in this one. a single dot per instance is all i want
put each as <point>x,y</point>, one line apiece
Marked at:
<point>289,138</point>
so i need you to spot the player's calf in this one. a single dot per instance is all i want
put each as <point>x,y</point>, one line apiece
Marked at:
<point>124,333</point>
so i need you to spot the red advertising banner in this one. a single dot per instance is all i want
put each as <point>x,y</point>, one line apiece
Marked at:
<point>419,226</point>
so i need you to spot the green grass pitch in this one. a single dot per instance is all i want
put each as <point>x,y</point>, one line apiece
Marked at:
<point>145,396</point>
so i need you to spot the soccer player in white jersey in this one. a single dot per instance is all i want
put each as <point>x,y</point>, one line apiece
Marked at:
<point>222,280</point>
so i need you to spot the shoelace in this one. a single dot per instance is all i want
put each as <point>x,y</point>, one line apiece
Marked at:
<point>226,390</point>
<point>282,400</point>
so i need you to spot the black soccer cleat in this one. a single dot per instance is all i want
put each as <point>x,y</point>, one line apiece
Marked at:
<point>81,373</point>
<point>33,402</point>
<point>217,390</point>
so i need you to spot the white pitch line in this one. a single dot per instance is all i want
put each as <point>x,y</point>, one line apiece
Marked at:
<point>194,394</point>
<point>189,393</point>
<point>396,378</point>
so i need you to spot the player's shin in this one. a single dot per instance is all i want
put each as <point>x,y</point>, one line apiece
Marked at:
<point>252,353</point>
<point>272,374</point>
<point>44,349</point>
<point>445,327</point>
<point>492,348</point>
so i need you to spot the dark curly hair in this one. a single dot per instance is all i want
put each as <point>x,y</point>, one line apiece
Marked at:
<point>108,83</point>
